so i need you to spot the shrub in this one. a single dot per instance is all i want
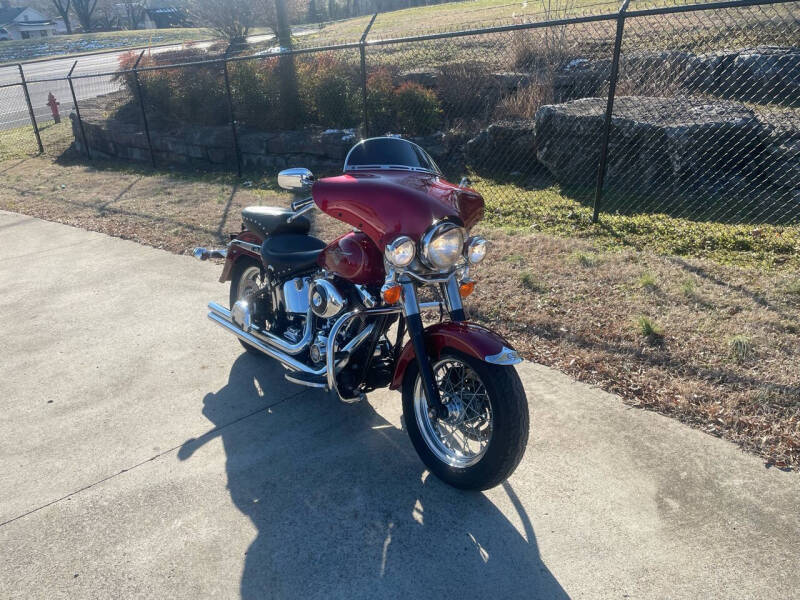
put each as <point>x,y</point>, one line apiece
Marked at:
<point>467,90</point>
<point>417,109</point>
<point>255,91</point>
<point>524,103</point>
<point>335,100</point>
<point>328,89</point>
<point>380,100</point>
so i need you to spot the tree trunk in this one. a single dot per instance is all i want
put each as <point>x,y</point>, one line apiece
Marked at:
<point>288,77</point>
<point>63,11</point>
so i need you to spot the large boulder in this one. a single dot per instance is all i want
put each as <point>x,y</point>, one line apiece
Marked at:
<point>762,74</point>
<point>581,78</point>
<point>503,146</point>
<point>655,144</point>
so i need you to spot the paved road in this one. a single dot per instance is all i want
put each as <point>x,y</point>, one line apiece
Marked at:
<point>143,454</point>
<point>13,109</point>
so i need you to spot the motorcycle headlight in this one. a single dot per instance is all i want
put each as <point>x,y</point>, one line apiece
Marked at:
<point>475,250</point>
<point>442,246</point>
<point>400,252</point>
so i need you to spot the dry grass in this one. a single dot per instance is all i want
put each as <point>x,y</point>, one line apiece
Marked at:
<point>714,345</point>
<point>720,353</point>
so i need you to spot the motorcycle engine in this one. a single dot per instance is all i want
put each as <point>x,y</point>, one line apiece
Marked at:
<point>326,300</point>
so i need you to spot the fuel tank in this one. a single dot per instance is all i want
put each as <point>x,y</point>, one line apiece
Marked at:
<point>354,257</point>
<point>385,203</point>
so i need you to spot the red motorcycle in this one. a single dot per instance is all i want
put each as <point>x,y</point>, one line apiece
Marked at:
<point>335,315</point>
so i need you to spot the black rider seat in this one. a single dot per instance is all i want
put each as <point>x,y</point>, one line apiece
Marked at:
<point>290,253</point>
<point>270,220</point>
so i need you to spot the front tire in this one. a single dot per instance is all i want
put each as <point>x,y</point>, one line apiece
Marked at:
<point>483,439</point>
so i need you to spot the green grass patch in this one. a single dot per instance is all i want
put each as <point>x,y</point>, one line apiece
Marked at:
<point>740,347</point>
<point>551,210</point>
<point>688,288</point>
<point>532,283</point>
<point>16,50</point>
<point>585,259</point>
<point>648,328</point>
<point>793,287</point>
<point>20,142</point>
<point>647,281</point>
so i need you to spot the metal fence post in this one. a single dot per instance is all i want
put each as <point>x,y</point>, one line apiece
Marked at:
<point>232,116</point>
<point>362,49</point>
<point>30,109</point>
<point>144,112</point>
<point>78,110</point>
<point>612,89</point>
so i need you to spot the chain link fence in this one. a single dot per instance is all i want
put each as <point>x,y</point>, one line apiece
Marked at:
<point>689,110</point>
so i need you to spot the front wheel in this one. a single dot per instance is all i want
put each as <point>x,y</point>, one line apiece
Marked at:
<point>483,438</point>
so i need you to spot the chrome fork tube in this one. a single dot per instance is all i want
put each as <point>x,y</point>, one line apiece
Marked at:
<point>416,332</point>
<point>452,299</point>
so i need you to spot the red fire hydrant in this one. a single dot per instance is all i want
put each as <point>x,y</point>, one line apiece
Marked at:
<point>53,104</point>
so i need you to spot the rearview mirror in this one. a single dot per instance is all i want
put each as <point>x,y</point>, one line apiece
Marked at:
<point>296,180</point>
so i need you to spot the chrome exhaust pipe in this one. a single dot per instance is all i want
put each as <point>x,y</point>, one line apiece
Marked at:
<point>286,360</point>
<point>269,338</point>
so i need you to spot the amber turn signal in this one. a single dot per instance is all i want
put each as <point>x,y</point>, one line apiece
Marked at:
<point>466,288</point>
<point>391,295</point>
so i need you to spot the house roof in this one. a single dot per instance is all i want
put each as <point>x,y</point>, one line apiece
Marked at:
<point>7,15</point>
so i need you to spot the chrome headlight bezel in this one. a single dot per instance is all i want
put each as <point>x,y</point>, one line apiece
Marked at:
<point>428,251</point>
<point>475,249</point>
<point>393,251</point>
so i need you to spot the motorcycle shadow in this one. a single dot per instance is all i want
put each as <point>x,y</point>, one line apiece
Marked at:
<point>344,508</point>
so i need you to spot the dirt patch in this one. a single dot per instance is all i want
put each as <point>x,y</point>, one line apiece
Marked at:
<point>714,345</point>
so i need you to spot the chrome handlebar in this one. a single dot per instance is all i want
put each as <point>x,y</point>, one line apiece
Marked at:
<point>298,204</point>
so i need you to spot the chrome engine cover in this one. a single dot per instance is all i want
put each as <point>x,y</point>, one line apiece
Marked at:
<point>326,300</point>
<point>295,296</point>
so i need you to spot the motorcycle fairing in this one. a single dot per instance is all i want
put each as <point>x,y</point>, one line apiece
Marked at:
<point>385,204</point>
<point>465,337</point>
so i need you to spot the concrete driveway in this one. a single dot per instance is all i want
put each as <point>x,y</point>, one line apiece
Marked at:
<point>143,454</point>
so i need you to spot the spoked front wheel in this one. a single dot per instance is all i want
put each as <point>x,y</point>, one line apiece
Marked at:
<point>483,438</point>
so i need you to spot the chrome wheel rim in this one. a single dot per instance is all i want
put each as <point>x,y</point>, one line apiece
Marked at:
<point>462,439</point>
<point>249,283</point>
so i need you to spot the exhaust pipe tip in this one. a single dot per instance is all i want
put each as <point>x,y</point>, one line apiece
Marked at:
<point>201,253</point>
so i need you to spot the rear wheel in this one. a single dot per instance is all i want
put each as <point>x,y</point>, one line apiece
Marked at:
<point>247,278</point>
<point>483,438</point>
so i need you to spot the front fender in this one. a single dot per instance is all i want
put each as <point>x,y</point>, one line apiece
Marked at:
<point>465,337</point>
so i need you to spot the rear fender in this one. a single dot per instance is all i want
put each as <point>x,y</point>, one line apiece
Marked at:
<point>236,252</point>
<point>464,337</point>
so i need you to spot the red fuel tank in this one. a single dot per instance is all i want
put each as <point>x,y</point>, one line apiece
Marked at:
<point>354,257</point>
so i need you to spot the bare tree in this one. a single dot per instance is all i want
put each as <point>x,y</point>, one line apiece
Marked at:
<point>62,6</point>
<point>134,14</point>
<point>84,10</point>
<point>231,19</point>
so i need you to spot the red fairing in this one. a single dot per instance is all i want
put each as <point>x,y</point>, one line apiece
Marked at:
<point>467,338</point>
<point>386,204</point>
<point>354,257</point>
